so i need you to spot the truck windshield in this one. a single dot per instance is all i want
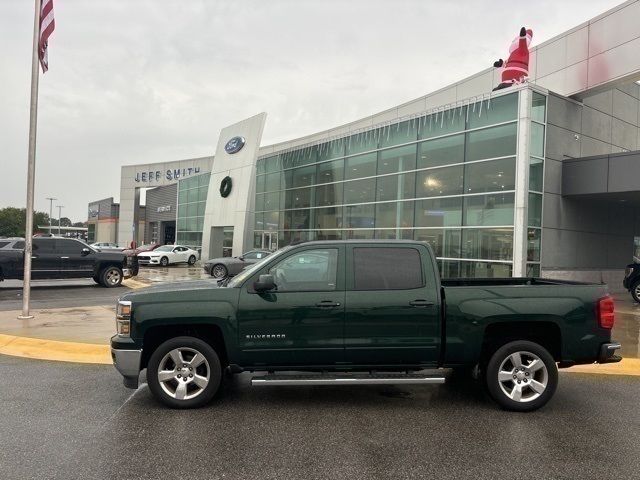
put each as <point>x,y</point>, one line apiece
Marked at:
<point>239,279</point>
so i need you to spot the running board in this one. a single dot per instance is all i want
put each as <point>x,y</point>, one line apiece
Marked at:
<point>294,380</point>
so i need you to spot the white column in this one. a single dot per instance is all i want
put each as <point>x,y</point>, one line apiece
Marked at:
<point>237,209</point>
<point>522,185</point>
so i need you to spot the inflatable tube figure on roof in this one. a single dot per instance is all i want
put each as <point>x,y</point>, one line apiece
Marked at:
<point>516,68</point>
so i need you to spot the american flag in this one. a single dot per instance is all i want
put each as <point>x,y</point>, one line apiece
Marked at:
<point>47,24</point>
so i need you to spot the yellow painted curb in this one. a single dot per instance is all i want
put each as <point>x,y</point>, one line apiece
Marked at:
<point>42,349</point>
<point>134,284</point>
<point>628,366</point>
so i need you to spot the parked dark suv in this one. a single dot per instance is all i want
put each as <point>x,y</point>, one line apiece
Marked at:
<point>632,280</point>
<point>56,257</point>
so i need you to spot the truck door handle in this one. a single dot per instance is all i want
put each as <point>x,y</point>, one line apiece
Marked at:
<point>421,303</point>
<point>64,257</point>
<point>327,304</point>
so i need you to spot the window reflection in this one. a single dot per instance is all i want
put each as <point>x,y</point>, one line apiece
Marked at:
<point>492,176</point>
<point>441,151</point>
<point>360,191</point>
<point>396,187</point>
<point>361,166</point>
<point>492,244</point>
<point>495,209</point>
<point>440,181</point>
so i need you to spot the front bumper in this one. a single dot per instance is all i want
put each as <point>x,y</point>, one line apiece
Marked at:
<point>149,261</point>
<point>127,273</point>
<point>127,362</point>
<point>607,353</point>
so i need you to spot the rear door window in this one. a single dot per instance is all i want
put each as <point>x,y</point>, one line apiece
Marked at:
<point>379,268</point>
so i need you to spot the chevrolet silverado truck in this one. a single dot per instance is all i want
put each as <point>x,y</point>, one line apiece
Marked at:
<point>360,312</point>
<point>64,258</point>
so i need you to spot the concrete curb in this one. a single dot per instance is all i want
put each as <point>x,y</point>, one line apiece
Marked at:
<point>41,349</point>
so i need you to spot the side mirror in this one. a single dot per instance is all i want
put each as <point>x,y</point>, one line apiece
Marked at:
<point>264,283</point>
<point>85,251</point>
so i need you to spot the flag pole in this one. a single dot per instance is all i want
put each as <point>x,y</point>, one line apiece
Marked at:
<point>31,168</point>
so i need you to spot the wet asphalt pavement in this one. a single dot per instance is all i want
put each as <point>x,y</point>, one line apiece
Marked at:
<point>63,294</point>
<point>71,421</point>
<point>85,292</point>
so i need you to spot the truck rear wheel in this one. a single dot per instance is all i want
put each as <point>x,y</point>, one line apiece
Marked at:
<point>111,277</point>
<point>521,376</point>
<point>184,372</point>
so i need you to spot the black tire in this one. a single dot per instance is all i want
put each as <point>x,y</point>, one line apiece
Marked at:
<point>164,261</point>
<point>189,343</point>
<point>219,271</point>
<point>110,277</point>
<point>531,399</point>
<point>635,291</point>
<point>192,260</point>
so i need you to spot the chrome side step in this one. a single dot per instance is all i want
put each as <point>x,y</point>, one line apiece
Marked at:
<point>297,380</point>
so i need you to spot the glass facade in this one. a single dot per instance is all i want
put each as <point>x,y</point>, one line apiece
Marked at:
<point>192,197</point>
<point>536,170</point>
<point>447,178</point>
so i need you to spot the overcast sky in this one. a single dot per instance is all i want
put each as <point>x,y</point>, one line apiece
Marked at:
<point>137,81</point>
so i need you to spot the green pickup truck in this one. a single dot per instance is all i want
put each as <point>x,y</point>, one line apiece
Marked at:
<point>360,312</point>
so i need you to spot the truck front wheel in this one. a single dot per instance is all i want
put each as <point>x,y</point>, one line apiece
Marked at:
<point>635,291</point>
<point>184,372</point>
<point>521,376</point>
<point>111,277</point>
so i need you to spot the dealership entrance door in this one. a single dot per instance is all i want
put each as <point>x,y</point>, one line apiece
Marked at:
<point>168,233</point>
<point>269,241</point>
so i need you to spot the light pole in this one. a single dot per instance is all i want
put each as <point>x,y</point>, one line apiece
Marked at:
<point>51,199</point>
<point>60,207</point>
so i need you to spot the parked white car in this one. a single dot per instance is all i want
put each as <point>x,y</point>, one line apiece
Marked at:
<point>106,246</point>
<point>168,254</point>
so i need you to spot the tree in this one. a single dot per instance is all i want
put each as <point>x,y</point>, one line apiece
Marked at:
<point>13,221</point>
<point>79,224</point>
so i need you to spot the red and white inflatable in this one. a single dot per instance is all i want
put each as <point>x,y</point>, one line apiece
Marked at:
<point>516,69</point>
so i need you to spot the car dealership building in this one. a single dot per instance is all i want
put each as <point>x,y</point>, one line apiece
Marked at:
<point>541,178</point>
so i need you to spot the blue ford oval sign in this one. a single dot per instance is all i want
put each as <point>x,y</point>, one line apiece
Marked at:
<point>234,145</point>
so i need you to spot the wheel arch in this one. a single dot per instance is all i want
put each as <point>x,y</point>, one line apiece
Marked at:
<point>100,266</point>
<point>545,333</point>
<point>210,333</point>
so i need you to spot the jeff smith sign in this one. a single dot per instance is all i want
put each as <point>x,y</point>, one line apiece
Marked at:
<point>169,174</point>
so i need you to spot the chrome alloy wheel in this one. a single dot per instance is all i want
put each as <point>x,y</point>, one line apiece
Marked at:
<point>637,290</point>
<point>523,376</point>
<point>113,276</point>
<point>184,373</point>
<point>219,271</point>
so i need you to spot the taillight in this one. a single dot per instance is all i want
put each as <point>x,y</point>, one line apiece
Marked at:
<point>606,315</point>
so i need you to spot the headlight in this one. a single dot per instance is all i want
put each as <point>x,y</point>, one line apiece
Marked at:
<point>123,318</point>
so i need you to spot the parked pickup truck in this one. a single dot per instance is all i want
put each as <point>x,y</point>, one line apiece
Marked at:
<point>360,312</point>
<point>57,257</point>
